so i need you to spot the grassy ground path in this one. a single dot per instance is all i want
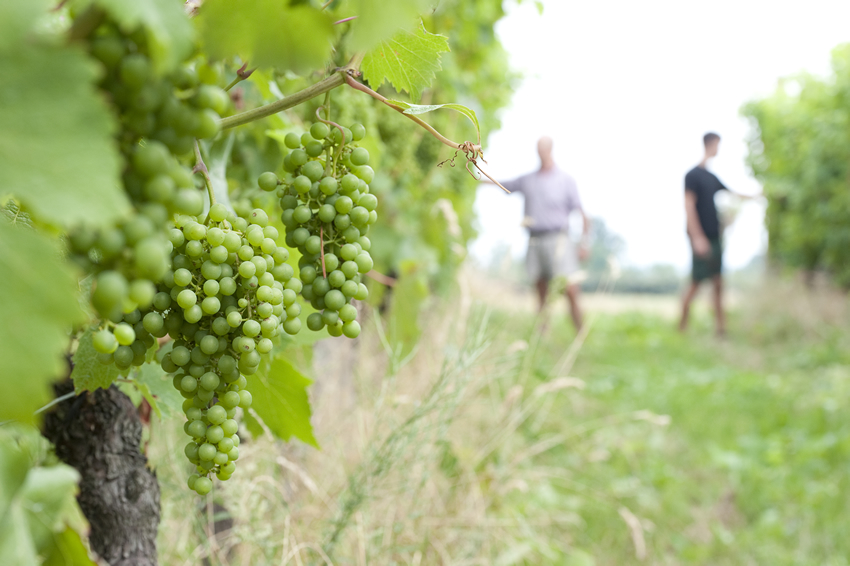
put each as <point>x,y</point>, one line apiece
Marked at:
<point>702,451</point>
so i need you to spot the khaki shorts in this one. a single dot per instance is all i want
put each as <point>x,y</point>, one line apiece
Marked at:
<point>553,254</point>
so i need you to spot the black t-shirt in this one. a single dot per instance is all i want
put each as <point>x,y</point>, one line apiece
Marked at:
<point>704,184</point>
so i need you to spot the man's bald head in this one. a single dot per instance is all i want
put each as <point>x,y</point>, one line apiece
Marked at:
<point>544,149</point>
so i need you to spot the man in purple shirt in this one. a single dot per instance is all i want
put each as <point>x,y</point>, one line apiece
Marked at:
<point>550,196</point>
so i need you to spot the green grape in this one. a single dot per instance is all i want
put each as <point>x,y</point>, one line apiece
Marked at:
<point>123,356</point>
<point>334,299</point>
<point>203,485</point>
<point>364,172</point>
<point>268,181</point>
<point>364,262</point>
<point>109,293</point>
<point>319,130</point>
<point>349,289</point>
<point>312,170</point>
<point>336,278</point>
<point>298,157</point>
<point>186,298</point>
<point>292,141</point>
<point>125,334</point>
<point>347,313</point>
<point>142,292</point>
<point>351,329</point>
<point>360,157</point>
<point>104,341</point>
<point>314,148</point>
<point>358,132</point>
<point>216,414</point>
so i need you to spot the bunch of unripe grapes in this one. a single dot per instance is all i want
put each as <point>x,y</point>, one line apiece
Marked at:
<point>160,116</point>
<point>229,294</point>
<point>327,212</point>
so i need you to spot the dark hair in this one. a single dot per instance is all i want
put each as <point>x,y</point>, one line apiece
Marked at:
<point>710,137</point>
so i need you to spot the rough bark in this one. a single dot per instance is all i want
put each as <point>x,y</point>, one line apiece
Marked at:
<point>99,434</point>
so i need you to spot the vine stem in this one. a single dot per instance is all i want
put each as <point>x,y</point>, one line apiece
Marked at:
<point>242,74</point>
<point>325,85</point>
<point>471,150</point>
<point>201,167</point>
<point>322,250</point>
<point>334,124</point>
<point>476,149</point>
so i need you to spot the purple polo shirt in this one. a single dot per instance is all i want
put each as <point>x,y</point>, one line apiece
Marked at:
<point>550,197</point>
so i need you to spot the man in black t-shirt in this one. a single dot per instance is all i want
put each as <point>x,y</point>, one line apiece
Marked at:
<point>704,232</point>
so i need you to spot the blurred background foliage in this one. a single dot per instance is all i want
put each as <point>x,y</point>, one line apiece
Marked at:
<point>799,149</point>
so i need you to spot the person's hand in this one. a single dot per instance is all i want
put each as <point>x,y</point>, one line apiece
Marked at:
<point>702,247</point>
<point>583,252</point>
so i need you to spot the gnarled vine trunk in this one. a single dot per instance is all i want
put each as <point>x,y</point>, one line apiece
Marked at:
<point>99,434</point>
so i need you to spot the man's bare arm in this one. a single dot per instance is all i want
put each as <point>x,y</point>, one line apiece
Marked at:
<point>699,242</point>
<point>745,196</point>
<point>584,247</point>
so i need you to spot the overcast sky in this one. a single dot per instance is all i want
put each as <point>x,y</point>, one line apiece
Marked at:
<point>627,90</point>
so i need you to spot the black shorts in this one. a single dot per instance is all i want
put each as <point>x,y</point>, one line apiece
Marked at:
<point>707,266</point>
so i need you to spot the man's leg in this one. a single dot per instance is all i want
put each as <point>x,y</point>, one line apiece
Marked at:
<point>719,315</point>
<point>542,286</point>
<point>573,291</point>
<point>686,304</point>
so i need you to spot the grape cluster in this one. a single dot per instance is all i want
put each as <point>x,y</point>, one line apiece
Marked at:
<point>159,116</point>
<point>230,293</point>
<point>327,211</point>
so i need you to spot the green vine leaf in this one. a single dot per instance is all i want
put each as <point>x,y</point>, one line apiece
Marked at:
<point>88,373</point>
<point>378,20</point>
<point>416,109</point>
<point>59,160</point>
<point>266,33</point>
<point>408,61</point>
<point>280,399</point>
<point>168,30</point>
<point>15,215</point>
<point>41,307</point>
<point>40,522</point>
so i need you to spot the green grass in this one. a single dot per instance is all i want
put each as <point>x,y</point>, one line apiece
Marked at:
<point>752,468</point>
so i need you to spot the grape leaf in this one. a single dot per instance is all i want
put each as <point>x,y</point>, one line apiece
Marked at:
<point>168,29</point>
<point>48,496</point>
<point>15,215</point>
<point>156,387</point>
<point>41,305</point>
<point>14,464</point>
<point>266,33</point>
<point>280,399</point>
<point>16,544</point>
<point>416,109</point>
<point>88,373</point>
<point>378,20</point>
<point>408,61</point>
<point>39,516</point>
<point>67,549</point>
<point>57,154</point>
<point>217,157</point>
<point>16,20</point>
